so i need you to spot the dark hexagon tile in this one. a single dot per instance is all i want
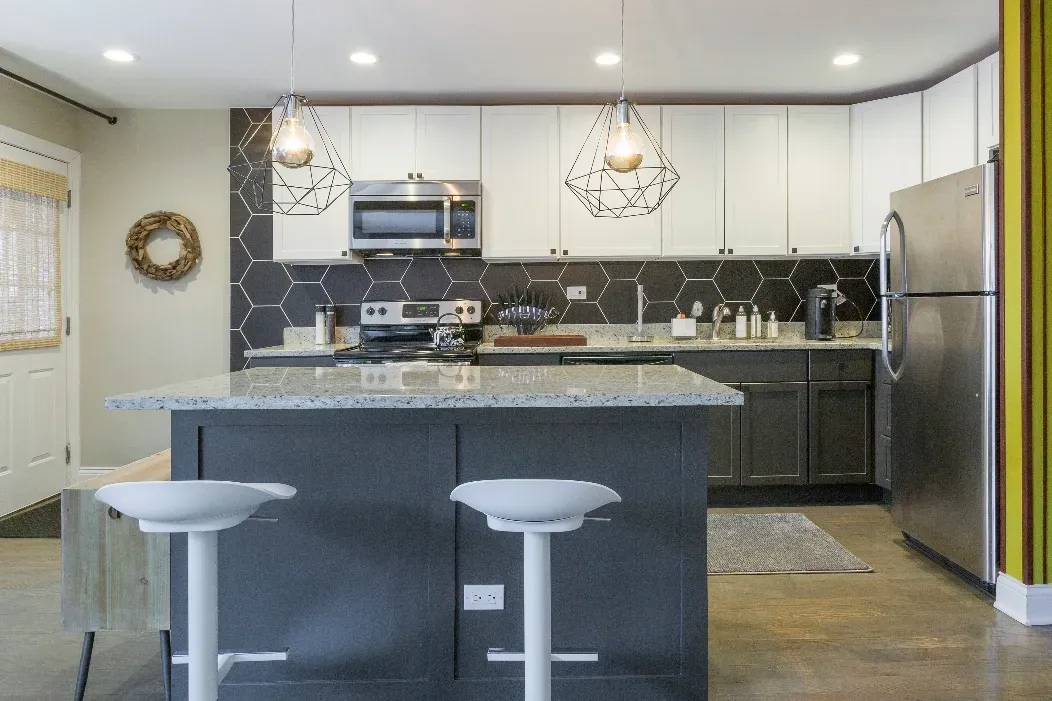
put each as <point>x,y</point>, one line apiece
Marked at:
<point>239,125</point>
<point>776,268</point>
<point>777,295</point>
<point>255,143</point>
<point>247,193</point>
<point>704,291</point>
<point>659,312</point>
<point>812,272</point>
<point>238,346</point>
<point>237,158</point>
<point>466,290</point>
<point>239,214</point>
<point>239,306</point>
<point>384,291</point>
<point>591,275</point>
<point>873,278</point>
<point>299,303</point>
<point>346,284</point>
<point>258,237</point>
<point>544,271</point>
<point>618,302</point>
<point>259,115</point>
<point>503,279</point>
<point>387,269</point>
<point>852,267</point>
<point>622,270</point>
<point>265,326</point>
<point>661,280</point>
<point>738,279</point>
<point>699,269</point>
<point>556,297</point>
<point>266,282</point>
<point>348,314</point>
<point>239,260</point>
<point>426,278</point>
<point>583,313</point>
<point>858,292</point>
<point>307,273</point>
<point>464,269</point>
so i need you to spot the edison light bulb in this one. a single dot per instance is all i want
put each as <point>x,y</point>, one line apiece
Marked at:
<point>293,145</point>
<point>624,149</point>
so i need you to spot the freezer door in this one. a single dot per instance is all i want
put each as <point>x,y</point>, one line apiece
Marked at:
<point>950,234</point>
<point>943,423</point>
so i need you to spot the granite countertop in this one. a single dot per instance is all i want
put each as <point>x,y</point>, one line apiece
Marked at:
<point>672,345</point>
<point>436,387</point>
<point>296,350</point>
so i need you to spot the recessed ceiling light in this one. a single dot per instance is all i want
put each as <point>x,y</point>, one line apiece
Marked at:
<point>846,59</point>
<point>120,56</point>
<point>364,58</point>
<point>608,59</point>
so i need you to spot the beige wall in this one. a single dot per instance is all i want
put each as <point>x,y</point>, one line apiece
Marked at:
<point>138,333</point>
<point>37,114</point>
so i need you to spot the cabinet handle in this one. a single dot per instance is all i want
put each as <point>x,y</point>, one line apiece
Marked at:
<point>554,251</point>
<point>409,176</point>
<point>419,176</point>
<point>721,251</point>
<point>345,253</point>
<point>856,249</point>
<point>730,251</point>
<point>113,513</point>
<point>794,250</point>
<point>565,252</point>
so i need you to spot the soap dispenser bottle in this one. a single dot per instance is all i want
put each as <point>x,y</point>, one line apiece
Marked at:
<point>740,324</point>
<point>772,326</point>
<point>754,322</point>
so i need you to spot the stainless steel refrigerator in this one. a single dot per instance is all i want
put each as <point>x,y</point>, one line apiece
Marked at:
<point>939,343</point>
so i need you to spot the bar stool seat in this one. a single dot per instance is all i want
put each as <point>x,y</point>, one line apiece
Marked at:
<point>536,508</point>
<point>199,508</point>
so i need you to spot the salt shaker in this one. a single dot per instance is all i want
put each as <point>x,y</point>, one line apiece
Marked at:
<point>319,323</point>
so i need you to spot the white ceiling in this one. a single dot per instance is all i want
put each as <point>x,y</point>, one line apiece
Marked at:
<point>219,53</point>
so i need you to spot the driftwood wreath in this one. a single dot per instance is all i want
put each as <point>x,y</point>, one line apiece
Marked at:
<point>189,245</point>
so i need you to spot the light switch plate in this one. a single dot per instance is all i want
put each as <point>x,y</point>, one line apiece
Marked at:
<point>483,597</point>
<point>577,292</point>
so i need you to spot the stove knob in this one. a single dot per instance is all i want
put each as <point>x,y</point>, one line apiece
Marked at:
<point>370,311</point>
<point>459,309</point>
<point>383,311</point>
<point>471,310</point>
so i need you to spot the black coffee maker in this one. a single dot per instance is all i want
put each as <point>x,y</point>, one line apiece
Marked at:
<point>821,314</point>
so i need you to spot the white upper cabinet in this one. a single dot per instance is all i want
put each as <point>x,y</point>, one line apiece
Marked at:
<point>756,189</point>
<point>885,157</point>
<point>323,237</point>
<point>692,214</point>
<point>585,236</point>
<point>520,182</point>
<point>396,143</point>
<point>989,100</point>
<point>447,143</point>
<point>819,174</point>
<point>950,125</point>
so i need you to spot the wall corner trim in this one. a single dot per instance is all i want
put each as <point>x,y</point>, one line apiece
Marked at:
<point>1031,604</point>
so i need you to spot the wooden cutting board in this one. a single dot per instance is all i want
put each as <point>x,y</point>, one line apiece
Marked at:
<point>540,341</point>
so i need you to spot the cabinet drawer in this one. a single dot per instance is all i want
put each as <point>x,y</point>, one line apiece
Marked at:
<point>842,365</point>
<point>317,361</point>
<point>747,366</point>
<point>516,359</point>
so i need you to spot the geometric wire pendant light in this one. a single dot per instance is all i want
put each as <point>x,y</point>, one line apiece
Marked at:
<point>620,171</point>
<point>301,171</point>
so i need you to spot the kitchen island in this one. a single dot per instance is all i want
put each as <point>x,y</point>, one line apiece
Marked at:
<point>360,576</point>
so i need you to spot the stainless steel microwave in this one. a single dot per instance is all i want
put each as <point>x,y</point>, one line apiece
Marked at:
<point>416,216</point>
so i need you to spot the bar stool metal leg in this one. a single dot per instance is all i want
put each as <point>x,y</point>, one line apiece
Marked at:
<point>203,620</point>
<point>166,663</point>
<point>85,666</point>
<point>537,610</point>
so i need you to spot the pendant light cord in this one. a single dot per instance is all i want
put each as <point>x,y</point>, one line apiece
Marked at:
<point>622,49</point>
<point>292,70</point>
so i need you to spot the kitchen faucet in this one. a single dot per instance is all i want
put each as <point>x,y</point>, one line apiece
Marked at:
<point>719,312</point>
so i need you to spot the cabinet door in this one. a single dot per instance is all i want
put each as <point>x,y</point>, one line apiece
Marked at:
<point>323,237</point>
<point>950,125</point>
<point>886,156</point>
<point>581,234</point>
<point>774,433</point>
<point>882,462</point>
<point>840,432</point>
<point>757,155</point>
<point>819,175</point>
<point>447,143</point>
<point>989,102</point>
<point>692,215</point>
<point>725,445</point>
<point>383,143</point>
<point>520,182</point>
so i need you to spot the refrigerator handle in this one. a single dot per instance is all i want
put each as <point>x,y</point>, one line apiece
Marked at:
<point>885,349</point>
<point>893,216</point>
<point>885,299</point>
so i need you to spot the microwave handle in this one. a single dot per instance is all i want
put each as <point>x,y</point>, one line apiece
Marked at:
<point>447,206</point>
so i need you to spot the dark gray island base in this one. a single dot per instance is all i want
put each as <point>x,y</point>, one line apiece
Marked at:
<point>360,576</point>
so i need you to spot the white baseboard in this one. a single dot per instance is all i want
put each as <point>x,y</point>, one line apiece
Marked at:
<point>88,472</point>
<point>1029,604</point>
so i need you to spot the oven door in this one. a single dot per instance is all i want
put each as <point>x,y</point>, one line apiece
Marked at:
<point>422,223</point>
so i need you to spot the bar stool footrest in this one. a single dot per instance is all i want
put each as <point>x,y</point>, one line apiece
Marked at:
<point>498,654</point>
<point>226,660</point>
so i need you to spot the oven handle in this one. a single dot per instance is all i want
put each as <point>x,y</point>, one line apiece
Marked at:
<point>447,207</point>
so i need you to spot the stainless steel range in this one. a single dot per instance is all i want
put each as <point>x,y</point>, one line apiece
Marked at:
<point>447,331</point>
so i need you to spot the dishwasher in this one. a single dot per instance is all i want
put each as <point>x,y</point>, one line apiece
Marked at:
<point>631,358</point>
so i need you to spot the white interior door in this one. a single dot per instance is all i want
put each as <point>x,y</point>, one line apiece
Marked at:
<point>33,428</point>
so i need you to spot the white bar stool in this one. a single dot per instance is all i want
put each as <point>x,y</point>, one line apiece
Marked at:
<point>536,508</point>
<point>199,508</point>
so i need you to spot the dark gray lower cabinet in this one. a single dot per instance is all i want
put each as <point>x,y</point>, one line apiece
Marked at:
<point>519,358</point>
<point>840,430</point>
<point>882,464</point>
<point>774,433</point>
<point>725,445</point>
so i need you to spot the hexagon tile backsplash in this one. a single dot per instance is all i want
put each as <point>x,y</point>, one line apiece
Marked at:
<point>266,297</point>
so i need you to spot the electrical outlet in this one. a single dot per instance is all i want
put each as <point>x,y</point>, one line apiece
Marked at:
<point>483,597</point>
<point>577,292</point>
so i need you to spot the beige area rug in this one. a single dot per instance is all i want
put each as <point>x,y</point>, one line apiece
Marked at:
<point>775,544</point>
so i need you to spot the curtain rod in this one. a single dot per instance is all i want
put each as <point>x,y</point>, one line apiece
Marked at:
<point>57,96</point>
